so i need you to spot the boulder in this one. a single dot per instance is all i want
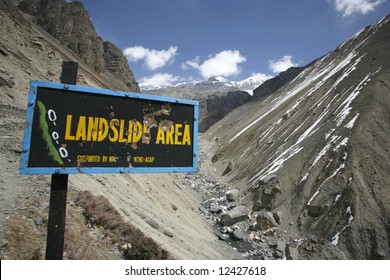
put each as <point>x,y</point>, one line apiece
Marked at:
<point>229,168</point>
<point>316,211</point>
<point>292,253</point>
<point>265,220</point>
<point>268,179</point>
<point>235,215</point>
<point>238,234</point>
<point>273,190</point>
<point>215,208</point>
<point>278,216</point>
<point>232,195</point>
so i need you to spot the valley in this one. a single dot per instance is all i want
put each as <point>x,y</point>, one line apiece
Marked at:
<point>296,171</point>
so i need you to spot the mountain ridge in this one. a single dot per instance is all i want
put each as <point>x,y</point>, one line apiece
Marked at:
<point>216,84</point>
<point>322,140</point>
<point>299,173</point>
<point>69,22</point>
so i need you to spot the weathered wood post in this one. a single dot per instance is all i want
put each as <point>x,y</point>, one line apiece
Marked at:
<point>59,189</point>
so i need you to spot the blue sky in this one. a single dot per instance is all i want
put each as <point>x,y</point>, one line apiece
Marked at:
<point>172,41</point>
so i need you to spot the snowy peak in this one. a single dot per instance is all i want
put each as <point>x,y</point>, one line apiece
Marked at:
<point>213,84</point>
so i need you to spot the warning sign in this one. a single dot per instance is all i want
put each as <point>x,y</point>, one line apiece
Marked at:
<point>75,129</point>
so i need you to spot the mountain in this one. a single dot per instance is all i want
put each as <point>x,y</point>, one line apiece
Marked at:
<point>314,152</point>
<point>212,85</point>
<point>159,205</point>
<point>299,170</point>
<point>70,24</point>
<point>217,96</point>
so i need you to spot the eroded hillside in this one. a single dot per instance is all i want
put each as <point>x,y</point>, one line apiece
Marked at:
<point>316,152</point>
<point>158,204</point>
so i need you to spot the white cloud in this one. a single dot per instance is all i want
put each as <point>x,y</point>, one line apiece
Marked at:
<point>223,64</point>
<point>260,76</point>
<point>153,59</point>
<point>281,64</point>
<point>351,7</point>
<point>161,79</point>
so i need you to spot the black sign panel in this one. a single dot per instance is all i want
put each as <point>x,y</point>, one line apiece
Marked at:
<point>72,129</point>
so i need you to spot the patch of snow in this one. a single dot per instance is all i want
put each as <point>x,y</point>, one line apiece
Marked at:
<point>277,163</point>
<point>284,97</point>
<point>304,177</point>
<point>329,133</point>
<point>344,142</point>
<point>351,123</point>
<point>336,237</point>
<point>342,166</point>
<point>346,105</point>
<point>314,195</point>
<point>337,197</point>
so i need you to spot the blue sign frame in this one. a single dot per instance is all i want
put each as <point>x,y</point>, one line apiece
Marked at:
<point>28,166</point>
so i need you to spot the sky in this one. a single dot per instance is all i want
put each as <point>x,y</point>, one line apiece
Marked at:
<point>172,41</point>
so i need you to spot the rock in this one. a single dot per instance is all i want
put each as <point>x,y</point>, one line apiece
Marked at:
<point>38,44</point>
<point>278,216</point>
<point>265,194</point>
<point>69,23</point>
<point>118,65</point>
<point>292,253</point>
<point>229,168</point>
<point>38,221</point>
<point>168,233</point>
<point>153,223</point>
<point>316,211</point>
<point>3,243</point>
<point>257,206</point>
<point>232,195</point>
<point>6,82</point>
<point>219,105</point>
<point>51,73</point>
<point>265,221</point>
<point>215,208</point>
<point>272,190</point>
<point>268,179</point>
<point>238,234</point>
<point>280,246</point>
<point>286,116</point>
<point>235,215</point>
<point>221,235</point>
<point>126,247</point>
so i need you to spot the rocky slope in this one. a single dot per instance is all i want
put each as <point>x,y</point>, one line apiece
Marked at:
<point>159,204</point>
<point>299,174</point>
<point>70,24</point>
<point>312,158</point>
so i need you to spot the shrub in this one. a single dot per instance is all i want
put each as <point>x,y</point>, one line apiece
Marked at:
<point>100,212</point>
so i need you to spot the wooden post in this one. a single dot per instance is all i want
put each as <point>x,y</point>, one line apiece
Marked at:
<point>59,189</point>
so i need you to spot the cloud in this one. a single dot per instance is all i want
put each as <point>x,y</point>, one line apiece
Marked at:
<point>223,64</point>
<point>161,79</point>
<point>153,59</point>
<point>281,64</point>
<point>351,7</point>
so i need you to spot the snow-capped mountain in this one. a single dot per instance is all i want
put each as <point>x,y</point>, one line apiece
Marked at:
<point>212,85</point>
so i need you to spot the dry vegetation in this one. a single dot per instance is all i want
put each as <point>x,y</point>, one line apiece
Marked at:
<point>133,243</point>
<point>94,230</point>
